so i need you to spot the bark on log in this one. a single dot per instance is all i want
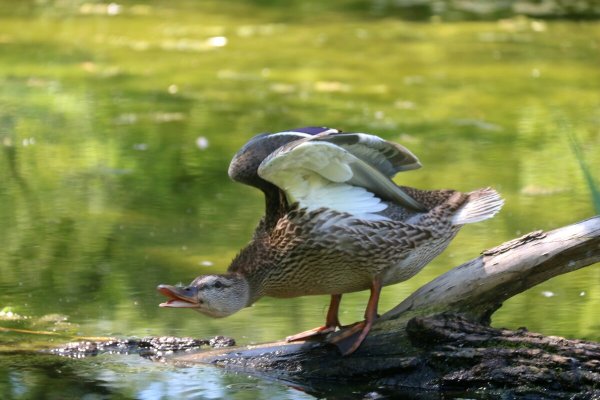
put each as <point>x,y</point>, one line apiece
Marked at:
<point>439,337</point>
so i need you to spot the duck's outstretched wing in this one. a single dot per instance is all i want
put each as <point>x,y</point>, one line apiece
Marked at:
<point>316,172</point>
<point>387,157</point>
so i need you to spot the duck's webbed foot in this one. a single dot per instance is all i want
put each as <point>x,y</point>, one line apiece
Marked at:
<point>331,324</point>
<point>350,338</point>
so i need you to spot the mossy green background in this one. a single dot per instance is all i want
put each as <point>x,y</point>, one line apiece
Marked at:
<point>117,126</point>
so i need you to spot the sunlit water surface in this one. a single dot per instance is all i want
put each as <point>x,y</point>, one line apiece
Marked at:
<point>117,126</point>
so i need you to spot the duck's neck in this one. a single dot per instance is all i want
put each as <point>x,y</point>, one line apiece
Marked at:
<point>250,264</point>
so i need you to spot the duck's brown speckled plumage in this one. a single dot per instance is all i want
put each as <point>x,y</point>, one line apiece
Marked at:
<point>327,252</point>
<point>299,249</point>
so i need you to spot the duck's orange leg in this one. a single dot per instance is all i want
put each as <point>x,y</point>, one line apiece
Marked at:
<point>349,339</point>
<point>331,323</point>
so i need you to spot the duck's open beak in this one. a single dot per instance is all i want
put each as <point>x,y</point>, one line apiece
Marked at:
<point>179,297</point>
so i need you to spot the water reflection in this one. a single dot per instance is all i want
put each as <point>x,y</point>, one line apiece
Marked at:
<point>33,376</point>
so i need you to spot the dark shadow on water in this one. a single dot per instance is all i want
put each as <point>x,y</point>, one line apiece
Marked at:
<point>411,10</point>
<point>447,10</point>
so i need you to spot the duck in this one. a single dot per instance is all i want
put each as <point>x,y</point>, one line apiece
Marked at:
<point>335,222</point>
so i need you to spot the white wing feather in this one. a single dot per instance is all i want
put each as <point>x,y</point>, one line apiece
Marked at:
<point>320,174</point>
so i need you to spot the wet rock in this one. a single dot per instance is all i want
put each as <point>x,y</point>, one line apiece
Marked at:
<point>153,347</point>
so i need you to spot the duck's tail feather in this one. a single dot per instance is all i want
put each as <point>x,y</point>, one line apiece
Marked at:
<point>481,205</point>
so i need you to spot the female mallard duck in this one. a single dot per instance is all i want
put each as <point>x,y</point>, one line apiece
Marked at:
<point>335,223</point>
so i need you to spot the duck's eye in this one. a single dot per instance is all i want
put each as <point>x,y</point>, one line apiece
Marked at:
<point>218,285</point>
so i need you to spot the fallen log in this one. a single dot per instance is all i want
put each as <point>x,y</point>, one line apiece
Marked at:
<point>439,338</point>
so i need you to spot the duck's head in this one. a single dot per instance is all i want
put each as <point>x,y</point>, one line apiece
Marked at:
<point>214,295</point>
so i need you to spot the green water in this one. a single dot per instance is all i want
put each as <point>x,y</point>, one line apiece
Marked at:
<point>117,124</point>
